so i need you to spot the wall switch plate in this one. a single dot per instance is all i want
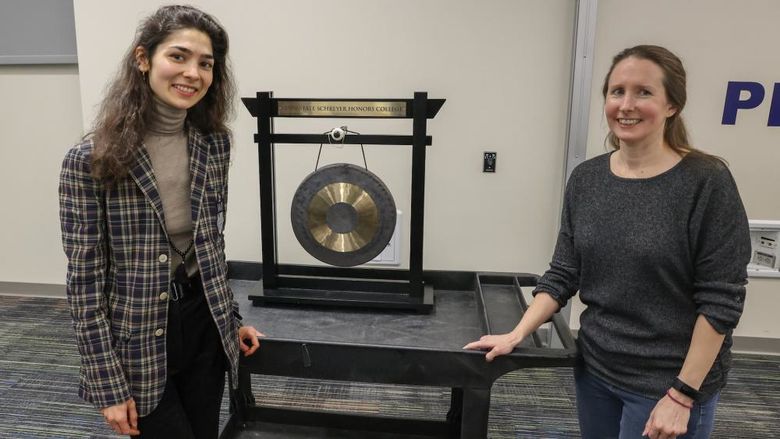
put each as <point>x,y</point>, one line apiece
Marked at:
<point>391,255</point>
<point>765,255</point>
<point>489,162</point>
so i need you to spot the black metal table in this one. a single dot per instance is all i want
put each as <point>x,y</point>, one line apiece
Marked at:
<point>390,347</point>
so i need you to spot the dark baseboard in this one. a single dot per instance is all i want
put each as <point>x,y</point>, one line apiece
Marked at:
<point>757,345</point>
<point>32,289</point>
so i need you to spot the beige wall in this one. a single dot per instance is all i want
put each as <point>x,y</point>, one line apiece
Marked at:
<point>40,117</point>
<point>718,41</point>
<point>506,91</point>
<point>503,68</point>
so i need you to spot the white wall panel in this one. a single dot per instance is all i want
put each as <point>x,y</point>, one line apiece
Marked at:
<point>718,41</point>
<point>503,67</point>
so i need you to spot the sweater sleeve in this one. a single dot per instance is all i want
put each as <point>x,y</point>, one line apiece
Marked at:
<point>562,279</point>
<point>83,239</point>
<point>719,228</point>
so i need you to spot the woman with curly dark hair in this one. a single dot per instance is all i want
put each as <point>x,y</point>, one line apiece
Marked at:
<point>142,209</point>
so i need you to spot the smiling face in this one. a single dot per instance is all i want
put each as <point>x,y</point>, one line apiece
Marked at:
<point>181,68</point>
<point>636,105</point>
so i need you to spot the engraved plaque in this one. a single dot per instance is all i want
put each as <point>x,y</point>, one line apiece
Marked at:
<point>342,108</point>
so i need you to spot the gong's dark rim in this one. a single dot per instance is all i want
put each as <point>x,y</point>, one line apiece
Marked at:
<point>351,175</point>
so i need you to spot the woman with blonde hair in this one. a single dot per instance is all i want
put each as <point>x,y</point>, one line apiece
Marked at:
<point>655,238</point>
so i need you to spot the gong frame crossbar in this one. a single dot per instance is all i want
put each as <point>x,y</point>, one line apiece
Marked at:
<point>325,285</point>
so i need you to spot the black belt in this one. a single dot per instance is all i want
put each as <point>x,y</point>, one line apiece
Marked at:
<point>191,289</point>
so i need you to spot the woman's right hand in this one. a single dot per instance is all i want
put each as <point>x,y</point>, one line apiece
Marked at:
<point>540,310</point>
<point>123,418</point>
<point>501,344</point>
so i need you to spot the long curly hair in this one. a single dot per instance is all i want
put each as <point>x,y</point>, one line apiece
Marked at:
<point>125,110</point>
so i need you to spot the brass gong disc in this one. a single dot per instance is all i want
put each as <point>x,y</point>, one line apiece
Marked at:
<point>343,215</point>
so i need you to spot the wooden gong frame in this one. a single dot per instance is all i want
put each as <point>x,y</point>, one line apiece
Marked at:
<point>325,285</point>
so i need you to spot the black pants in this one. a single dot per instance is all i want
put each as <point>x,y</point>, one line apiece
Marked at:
<point>196,372</point>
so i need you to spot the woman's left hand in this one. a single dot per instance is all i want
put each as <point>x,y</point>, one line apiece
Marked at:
<point>668,420</point>
<point>250,334</point>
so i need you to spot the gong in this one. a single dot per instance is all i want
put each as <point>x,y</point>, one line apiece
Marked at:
<point>343,215</point>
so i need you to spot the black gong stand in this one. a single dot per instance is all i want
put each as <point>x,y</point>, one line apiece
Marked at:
<point>326,285</point>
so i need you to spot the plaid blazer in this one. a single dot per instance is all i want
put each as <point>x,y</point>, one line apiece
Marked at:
<point>118,269</point>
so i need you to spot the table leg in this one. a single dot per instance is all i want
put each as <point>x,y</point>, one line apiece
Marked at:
<point>242,397</point>
<point>476,407</point>
<point>455,414</point>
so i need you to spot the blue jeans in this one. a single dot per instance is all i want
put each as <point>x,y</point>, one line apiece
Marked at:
<point>606,411</point>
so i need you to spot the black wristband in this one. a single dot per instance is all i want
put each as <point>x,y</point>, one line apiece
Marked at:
<point>686,390</point>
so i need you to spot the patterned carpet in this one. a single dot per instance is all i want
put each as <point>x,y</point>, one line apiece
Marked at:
<point>39,375</point>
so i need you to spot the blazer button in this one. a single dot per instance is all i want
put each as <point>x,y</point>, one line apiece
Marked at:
<point>159,332</point>
<point>163,258</point>
<point>164,295</point>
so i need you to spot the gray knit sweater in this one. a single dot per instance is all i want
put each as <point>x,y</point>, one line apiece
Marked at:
<point>648,256</point>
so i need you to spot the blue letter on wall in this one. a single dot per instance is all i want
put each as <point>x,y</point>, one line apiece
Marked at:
<point>774,110</point>
<point>733,103</point>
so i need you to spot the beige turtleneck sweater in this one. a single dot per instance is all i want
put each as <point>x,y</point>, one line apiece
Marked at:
<point>166,143</point>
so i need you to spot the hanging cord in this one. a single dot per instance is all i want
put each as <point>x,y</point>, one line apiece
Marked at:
<point>181,271</point>
<point>338,135</point>
<point>183,254</point>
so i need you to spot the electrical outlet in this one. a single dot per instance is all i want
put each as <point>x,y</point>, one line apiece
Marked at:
<point>764,238</point>
<point>489,162</point>
<point>763,259</point>
<point>391,255</point>
<point>765,241</point>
